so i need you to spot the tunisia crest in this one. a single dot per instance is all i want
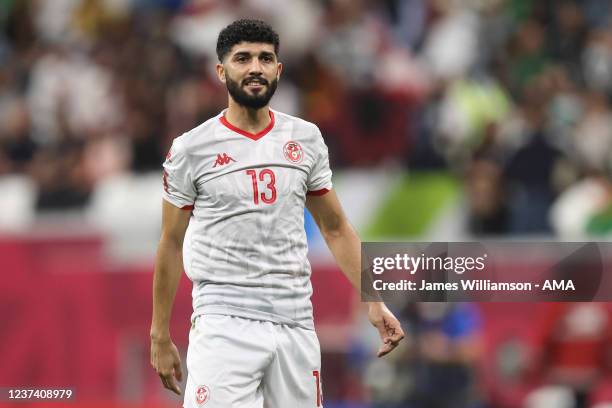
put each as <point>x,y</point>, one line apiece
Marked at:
<point>202,395</point>
<point>293,152</point>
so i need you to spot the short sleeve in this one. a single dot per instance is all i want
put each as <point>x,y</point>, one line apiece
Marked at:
<point>179,189</point>
<point>320,177</point>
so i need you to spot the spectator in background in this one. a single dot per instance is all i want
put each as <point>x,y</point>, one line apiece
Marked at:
<point>574,347</point>
<point>437,368</point>
<point>487,199</point>
<point>526,56</point>
<point>435,84</point>
<point>583,210</point>
<point>447,349</point>
<point>511,96</point>
<point>16,147</point>
<point>592,139</point>
<point>370,91</point>
<point>530,170</point>
<point>567,35</point>
<point>597,60</point>
<point>451,46</point>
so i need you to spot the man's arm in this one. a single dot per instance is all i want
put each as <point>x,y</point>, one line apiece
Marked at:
<point>345,245</point>
<point>168,269</point>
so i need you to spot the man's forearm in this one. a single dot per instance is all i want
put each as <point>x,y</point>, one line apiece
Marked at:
<point>168,269</point>
<point>345,246</point>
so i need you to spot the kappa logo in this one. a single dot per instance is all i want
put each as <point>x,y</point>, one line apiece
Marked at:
<point>223,159</point>
<point>202,395</point>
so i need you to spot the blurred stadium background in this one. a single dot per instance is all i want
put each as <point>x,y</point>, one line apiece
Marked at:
<point>446,120</point>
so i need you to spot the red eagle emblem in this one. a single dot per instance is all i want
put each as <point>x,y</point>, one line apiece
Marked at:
<point>202,395</point>
<point>293,152</point>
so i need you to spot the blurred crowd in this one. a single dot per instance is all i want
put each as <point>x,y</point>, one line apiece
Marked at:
<point>512,96</point>
<point>554,355</point>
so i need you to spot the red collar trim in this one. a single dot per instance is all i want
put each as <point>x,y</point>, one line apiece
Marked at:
<point>253,136</point>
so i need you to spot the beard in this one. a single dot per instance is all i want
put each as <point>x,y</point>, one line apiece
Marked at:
<point>255,101</point>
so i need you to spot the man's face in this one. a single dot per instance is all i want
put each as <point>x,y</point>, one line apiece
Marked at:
<point>250,72</point>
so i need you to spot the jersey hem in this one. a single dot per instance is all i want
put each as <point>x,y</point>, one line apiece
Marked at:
<point>251,314</point>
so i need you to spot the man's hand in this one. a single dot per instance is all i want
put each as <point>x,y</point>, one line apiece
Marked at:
<point>345,245</point>
<point>168,269</point>
<point>388,326</point>
<point>166,361</point>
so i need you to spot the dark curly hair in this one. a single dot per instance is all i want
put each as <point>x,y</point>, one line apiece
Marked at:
<point>248,31</point>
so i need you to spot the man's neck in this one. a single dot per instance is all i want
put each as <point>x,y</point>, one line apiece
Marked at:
<point>249,120</point>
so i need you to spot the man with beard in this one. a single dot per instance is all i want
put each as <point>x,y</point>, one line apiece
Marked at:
<point>234,194</point>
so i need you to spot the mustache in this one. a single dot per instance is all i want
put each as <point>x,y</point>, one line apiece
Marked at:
<point>260,80</point>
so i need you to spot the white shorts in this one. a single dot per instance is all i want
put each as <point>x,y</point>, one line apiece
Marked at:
<point>241,363</point>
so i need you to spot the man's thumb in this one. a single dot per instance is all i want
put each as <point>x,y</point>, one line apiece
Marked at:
<point>178,372</point>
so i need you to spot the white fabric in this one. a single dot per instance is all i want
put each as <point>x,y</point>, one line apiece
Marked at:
<point>17,203</point>
<point>237,362</point>
<point>574,208</point>
<point>245,257</point>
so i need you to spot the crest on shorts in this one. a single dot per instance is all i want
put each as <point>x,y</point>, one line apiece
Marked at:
<point>202,395</point>
<point>293,152</point>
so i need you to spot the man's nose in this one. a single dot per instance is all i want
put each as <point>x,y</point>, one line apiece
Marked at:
<point>255,67</point>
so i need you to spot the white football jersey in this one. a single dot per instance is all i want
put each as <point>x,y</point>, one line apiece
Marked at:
<point>245,247</point>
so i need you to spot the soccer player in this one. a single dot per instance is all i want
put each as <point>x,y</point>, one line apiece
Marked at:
<point>233,217</point>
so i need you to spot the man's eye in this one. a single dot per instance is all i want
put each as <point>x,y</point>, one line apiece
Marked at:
<point>241,59</point>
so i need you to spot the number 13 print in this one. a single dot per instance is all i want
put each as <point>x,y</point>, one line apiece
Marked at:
<point>266,176</point>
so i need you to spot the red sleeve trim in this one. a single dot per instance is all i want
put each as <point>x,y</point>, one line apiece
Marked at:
<point>165,180</point>
<point>185,207</point>
<point>318,192</point>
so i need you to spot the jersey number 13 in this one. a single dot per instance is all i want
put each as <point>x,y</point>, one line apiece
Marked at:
<point>268,196</point>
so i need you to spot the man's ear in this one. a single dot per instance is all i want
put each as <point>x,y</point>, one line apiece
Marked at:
<point>220,72</point>
<point>279,70</point>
